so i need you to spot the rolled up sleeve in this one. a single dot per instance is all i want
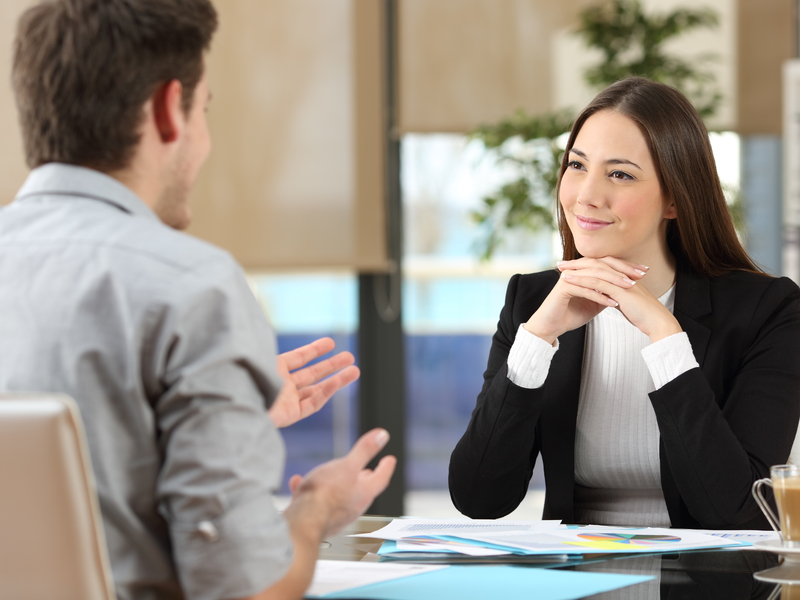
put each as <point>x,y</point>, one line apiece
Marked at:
<point>223,456</point>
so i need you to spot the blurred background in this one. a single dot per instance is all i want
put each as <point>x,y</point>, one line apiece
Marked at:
<point>382,167</point>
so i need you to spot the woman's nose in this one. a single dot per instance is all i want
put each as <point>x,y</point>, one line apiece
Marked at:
<point>591,192</point>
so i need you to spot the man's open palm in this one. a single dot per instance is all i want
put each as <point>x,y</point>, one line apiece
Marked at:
<point>304,392</point>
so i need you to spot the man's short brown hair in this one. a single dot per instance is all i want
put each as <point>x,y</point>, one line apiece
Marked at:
<point>83,70</point>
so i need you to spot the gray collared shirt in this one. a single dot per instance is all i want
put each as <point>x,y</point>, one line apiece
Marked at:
<point>166,351</point>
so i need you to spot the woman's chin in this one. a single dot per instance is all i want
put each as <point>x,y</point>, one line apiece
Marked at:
<point>594,252</point>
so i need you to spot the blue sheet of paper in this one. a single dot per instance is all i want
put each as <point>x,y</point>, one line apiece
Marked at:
<point>481,582</point>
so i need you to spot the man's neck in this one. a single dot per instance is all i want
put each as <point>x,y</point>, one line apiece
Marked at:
<point>146,188</point>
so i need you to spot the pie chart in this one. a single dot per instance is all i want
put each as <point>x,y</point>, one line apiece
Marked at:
<point>623,541</point>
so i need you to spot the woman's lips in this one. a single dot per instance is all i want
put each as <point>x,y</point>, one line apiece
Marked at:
<point>590,224</point>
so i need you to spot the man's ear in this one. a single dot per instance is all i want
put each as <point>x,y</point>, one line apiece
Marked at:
<point>168,110</point>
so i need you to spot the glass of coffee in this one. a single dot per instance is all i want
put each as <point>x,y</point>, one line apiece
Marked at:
<point>785,483</point>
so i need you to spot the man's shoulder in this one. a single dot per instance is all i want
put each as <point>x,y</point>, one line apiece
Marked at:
<point>175,262</point>
<point>173,250</point>
<point>104,231</point>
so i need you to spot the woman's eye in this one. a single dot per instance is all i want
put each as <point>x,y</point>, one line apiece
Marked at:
<point>622,175</point>
<point>574,164</point>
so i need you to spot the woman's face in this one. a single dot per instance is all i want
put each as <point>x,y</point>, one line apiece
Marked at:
<point>611,194</point>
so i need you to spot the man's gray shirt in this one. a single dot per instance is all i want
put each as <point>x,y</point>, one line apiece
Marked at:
<point>166,351</point>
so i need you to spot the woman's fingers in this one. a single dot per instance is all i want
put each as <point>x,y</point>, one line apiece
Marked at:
<point>633,271</point>
<point>589,293</point>
<point>592,276</point>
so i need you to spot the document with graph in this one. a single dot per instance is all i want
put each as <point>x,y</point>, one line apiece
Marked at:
<point>484,537</point>
<point>603,540</point>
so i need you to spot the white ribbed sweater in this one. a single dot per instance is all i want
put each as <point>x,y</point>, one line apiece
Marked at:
<point>617,466</point>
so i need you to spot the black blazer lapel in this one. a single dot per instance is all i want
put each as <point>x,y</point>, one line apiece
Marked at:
<point>557,425</point>
<point>692,304</point>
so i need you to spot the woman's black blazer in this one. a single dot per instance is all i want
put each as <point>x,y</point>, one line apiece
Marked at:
<point>722,425</point>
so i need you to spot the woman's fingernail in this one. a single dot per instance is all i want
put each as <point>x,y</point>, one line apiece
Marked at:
<point>631,281</point>
<point>640,272</point>
<point>561,262</point>
<point>567,276</point>
<point>645,267</point>
<point>612,302</point>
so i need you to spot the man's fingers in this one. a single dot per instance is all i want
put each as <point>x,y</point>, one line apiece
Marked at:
<point>373,483</point>
<point>367,447</point>
<point>294,359</point>
<point>322,369</point>
<point>314,397</point>
<point>378,479</point>
<point>294,483</point>
<point>343,378</point>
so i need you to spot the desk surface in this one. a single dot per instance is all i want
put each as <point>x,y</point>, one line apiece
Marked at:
<point>700,575</point>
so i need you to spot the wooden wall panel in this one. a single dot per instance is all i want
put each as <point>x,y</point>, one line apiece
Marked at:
<point>12,160</point>
<point>767,37</point>
<point>295,179</point>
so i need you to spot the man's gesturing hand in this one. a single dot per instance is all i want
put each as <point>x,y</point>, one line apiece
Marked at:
<point>323,502</point>
<point>303,392</point>
<point>344,488</point>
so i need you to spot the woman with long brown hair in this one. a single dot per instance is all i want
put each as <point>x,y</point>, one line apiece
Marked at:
<point>657,370</point>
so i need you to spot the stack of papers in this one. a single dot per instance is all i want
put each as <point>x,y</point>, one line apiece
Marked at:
<point>410,538</point>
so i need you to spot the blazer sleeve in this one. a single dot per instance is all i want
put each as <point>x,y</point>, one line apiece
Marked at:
<point>724,425</point>
<point>492,463</point>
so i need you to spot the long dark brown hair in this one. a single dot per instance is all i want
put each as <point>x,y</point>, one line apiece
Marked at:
<point>702,235</point>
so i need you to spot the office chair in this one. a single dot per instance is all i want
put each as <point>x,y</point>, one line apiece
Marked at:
<point>51,535</point>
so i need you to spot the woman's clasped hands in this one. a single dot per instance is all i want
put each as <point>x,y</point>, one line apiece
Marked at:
<point>588,286</point>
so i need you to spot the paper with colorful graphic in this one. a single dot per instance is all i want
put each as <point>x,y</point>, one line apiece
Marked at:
<point>589,540</point>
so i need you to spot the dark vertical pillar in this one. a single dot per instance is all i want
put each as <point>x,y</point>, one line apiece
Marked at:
<point>380,334</point>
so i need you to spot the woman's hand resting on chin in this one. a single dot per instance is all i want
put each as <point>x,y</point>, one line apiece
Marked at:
<point>588,286</point>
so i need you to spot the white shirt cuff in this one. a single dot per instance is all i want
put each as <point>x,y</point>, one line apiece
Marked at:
<point>668,358</point>
<point>529,359</point>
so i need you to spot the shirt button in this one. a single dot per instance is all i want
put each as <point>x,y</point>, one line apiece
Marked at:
<point>208,530</point>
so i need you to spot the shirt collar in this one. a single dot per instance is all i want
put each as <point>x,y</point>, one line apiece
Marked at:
<point>58,179</point>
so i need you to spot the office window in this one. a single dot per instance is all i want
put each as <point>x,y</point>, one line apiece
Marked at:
<point>451,300</point>
<point>302,308</point>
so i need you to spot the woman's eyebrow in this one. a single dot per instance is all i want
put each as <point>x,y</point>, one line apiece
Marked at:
<point>610,161</point>
<point>622,161</point>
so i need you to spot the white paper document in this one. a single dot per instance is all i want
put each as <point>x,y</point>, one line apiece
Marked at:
<point>601,540</point>
<point>336,575</point>
<point>399,529</point>
<point>742,535</point>
<point>492,538</point>
<point>749,536</point>
<point>436,545</point>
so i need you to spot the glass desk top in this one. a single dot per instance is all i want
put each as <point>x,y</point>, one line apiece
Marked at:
<point>696,575</point>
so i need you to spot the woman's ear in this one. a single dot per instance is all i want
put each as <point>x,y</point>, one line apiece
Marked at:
<point>670,212</point>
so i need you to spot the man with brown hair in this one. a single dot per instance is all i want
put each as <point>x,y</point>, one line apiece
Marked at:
<point>154,333</point>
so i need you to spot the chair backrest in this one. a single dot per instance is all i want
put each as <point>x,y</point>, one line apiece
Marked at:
<point>51,535</point>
